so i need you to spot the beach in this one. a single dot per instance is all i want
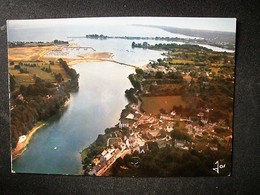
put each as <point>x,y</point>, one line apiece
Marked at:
<point>21,146</point>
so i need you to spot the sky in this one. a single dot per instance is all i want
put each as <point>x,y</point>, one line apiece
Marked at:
<point>215,24</point>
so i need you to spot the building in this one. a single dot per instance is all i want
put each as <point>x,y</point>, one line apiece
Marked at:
<point>169,127</point>
<point>130,116</point>
<point>108,156</point>
<point>179,143</point>
<point>123,123</point>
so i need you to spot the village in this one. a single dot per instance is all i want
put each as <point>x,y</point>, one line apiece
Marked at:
<point>140,130</point>
<point>146,128</point>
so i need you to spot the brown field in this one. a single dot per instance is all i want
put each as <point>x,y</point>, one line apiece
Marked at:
<point>181,61</point>
<point>33,54</point>
<point>36,55</point>
<point>28,53</point>
<point>155,103</point>
<point>90,57</point>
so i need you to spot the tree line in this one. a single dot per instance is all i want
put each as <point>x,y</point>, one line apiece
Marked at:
<point>38,101</point>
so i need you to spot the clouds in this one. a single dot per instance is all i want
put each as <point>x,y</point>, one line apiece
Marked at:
<point>217,24</point>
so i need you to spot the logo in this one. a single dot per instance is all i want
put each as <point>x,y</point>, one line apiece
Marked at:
<point>219,166</point>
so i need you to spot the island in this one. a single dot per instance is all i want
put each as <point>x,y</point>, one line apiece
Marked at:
<point>178,121</point>
<point>225,40</point>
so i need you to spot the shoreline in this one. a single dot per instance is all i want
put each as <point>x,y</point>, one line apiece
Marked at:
<point>21,147</point>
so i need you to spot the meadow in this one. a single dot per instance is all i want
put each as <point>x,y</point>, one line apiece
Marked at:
<point>153,104</point>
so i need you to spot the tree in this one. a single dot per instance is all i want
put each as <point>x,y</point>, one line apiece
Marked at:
<point>17,67</point>
<point>163,111</point>
<point>139,71</point>
<point>12,83</point>
<point>180,135</point>
<point>159,75</point>
<point>58,77</point>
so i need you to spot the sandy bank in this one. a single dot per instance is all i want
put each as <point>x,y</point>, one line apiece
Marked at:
<point>20,147</point>
<point>38,53</point>
<point>90,57</point>
<point>28,53</point>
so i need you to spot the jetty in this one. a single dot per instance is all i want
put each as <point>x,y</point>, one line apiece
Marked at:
<point>80,47</point>
<point>121,63</point>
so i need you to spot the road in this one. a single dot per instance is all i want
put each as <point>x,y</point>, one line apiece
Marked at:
<point>107,167</point>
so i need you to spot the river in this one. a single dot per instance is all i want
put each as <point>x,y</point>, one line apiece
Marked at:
<point>55,148</point>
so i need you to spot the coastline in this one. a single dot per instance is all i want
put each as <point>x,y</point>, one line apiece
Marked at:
<point>21,147</point>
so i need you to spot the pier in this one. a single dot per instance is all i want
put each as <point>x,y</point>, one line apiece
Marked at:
<point>121,63</point>
<point>79,47</point>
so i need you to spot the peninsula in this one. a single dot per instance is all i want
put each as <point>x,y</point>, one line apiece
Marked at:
<point>212,38</point>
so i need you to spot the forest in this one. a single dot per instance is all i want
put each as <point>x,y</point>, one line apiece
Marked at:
<point>169,162</point>
<point>39,101</point>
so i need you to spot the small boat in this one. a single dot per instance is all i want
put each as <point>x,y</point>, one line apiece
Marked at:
<point>55,148</point>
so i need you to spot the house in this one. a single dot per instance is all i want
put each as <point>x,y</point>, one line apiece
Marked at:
<point>154,133</point>
<point>108,156</point>
<point>22,138</point>
<point>20,97</point>
<point>201,114</point>
<point>95,169</point>
<point>127,143</point>
<point>169,127</point>
<point>130,116</point>
<point>123,123</point>
<point>165,117</point>
<point>204,121</point>
<point>214,148</point>
<point>173,113</point>
<point>104,153</point>
<point>123,146</point>
<point>161,143</point>
<point>179,143</point>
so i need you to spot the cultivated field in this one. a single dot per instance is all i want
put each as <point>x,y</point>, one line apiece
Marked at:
<point>155,103</point>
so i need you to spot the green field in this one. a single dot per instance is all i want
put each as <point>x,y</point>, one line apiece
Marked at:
<point>155,103</point>
<point>181,61</point>
<point>29,78</point>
